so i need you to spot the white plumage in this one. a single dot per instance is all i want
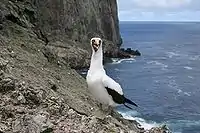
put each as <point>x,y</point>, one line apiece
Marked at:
<point>102,87</point>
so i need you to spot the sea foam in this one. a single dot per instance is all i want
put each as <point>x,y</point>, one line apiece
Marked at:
<point>172,54</point>
<point>147,125</point>
<point>118,61</point>
<point>188,68</point>
<point>158,64</point>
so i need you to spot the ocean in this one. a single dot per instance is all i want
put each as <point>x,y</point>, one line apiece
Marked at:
<point>165,80</point>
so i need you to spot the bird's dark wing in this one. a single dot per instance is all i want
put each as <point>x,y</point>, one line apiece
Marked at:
<point>117,98</point>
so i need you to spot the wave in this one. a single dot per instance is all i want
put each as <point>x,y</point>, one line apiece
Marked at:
<point>156,63</point>
<point>194,58</point>
<point>179,126</point>
<point>184,93</point>
<point>187,94</point>
<point>176,87</point>
<point>188,68</point>
<point>176,126</point>
<point>119,70</point>
<point>118,61</point>
<point>190,77</point>
<point>172,54</point>
<point>147,125</point>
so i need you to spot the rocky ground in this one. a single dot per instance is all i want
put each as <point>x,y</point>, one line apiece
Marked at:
<point>42,96</point>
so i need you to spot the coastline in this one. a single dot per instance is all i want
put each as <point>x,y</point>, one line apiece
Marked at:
<point>40,90</point>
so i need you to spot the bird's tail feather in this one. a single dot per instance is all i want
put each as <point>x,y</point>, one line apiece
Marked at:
<point>130,102</point>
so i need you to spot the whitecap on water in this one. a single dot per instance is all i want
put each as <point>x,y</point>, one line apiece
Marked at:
<point>177,126</point>
<point>172,54</point>
<point>190,77</point>
<point>118,61</point>
<point>144,124</point>
<point>157,63</point>
<point>196,57</point>
<point>187,94</point>
<point>188,68</point>
<point>180,91</point>
<point>119,70</point>
<point>173,85</point>
<point>184,93</point>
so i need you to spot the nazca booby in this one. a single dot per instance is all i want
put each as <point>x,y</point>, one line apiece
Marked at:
<point>102,87</point>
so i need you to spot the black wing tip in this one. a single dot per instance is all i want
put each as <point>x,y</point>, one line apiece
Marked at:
<point>130,102</point>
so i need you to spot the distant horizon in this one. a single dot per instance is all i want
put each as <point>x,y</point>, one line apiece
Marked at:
<point>159,21</point>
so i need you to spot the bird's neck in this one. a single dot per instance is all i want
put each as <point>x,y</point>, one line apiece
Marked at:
<point>96,60</point>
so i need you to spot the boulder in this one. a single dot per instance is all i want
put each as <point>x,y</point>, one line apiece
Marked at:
<point>67,54</point>
<point>131,51</point>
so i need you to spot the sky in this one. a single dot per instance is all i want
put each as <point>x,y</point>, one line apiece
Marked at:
<point>159,10</point>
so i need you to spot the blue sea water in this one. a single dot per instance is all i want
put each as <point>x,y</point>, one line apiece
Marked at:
<point>165,80</point>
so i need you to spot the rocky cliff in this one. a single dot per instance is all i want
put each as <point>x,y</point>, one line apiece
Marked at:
<point>79,20</point>
<point>66,25</point>
<point>40,41</point>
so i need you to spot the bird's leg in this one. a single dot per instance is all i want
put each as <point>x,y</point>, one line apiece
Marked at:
<point>108,110</point>
<point>100,113</point>
<point>103,108</point>
<point>100,105</point>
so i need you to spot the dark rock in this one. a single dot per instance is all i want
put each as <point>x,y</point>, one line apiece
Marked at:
<point>48,130</point>
<point>1,17</point>
<point>1,26</point>
<point>54,87</point>
<point>112,51</point>
<point>162,129</point>
<point>33,96</point>
<point>122,49</point>
<point>3,64</point>
<point>131,52</point>
<point>74,57</point>
<point>3,127</point>
<point>12,18</point>
<point>7,84</point>
<point>137,53</point>
<point>123,54</point>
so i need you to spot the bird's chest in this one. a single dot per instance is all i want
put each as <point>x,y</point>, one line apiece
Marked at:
<point>94,81</point>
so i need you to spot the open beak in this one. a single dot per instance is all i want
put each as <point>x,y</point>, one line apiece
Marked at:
<point>95,46</point>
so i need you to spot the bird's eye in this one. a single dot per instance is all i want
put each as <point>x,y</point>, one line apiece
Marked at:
<point>99,41</point>
<point>93,41</point>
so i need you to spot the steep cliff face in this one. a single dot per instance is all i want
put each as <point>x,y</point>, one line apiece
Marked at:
<point>79,19</point>
<point>66,26</point>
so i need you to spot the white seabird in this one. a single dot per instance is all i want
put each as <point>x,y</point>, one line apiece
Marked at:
<point>102,87</point>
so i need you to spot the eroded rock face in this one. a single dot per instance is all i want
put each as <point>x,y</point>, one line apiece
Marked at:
<point>79,20</point>
<point>72,56</point>
<point>60,21</point>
